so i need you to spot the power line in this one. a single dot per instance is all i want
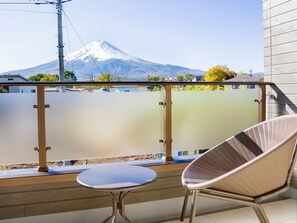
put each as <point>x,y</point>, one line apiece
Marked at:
<point>82,43</point>
<point>19,3</point>
<point>32,2</point>
<point>19,10</point>
<point>69,47</point>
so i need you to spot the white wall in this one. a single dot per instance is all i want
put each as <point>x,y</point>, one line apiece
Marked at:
<point>280,55</point>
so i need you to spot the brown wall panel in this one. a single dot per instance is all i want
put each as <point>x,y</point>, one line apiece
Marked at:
<point>38,199</point>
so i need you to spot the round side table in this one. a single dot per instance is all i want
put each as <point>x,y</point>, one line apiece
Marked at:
<point>117,178</point>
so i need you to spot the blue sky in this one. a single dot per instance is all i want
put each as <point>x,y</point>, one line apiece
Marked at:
<point>197,34</point>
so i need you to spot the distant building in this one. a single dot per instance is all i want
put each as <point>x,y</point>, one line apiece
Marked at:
<point>197,78</point>
<point>243,78</point>
<point>16,89</point>
<point>170,78</point>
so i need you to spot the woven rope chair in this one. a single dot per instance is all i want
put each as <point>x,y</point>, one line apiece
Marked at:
<point>247,168</point>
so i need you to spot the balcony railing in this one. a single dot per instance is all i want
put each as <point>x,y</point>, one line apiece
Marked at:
<point>90,125</point>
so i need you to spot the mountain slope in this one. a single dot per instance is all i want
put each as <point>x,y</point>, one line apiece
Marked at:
<point>101,57</point>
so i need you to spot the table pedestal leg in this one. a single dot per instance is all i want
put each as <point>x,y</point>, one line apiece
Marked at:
<point>118,204</point>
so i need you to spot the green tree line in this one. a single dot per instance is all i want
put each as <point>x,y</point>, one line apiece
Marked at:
<point>217,73</point>
<point>68,76</point>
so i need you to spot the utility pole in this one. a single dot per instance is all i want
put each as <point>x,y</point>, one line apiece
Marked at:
<point>60,41</point>
<point>59,7</point>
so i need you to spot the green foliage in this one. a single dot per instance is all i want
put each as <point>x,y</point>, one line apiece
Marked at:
<point>50,78</point>
<point>155,88</point>
<point>36,77</point>
<point>195,88</point>
<point>186,77</point>
<point>103,78</point>
<point>155,78</point>
<point>219,73</point>
<point>44,77</point>
<point>190,88</point>
<point>180,77</point>
<point>189,77</point>
<point>69,75</point>
<point>3,89</point>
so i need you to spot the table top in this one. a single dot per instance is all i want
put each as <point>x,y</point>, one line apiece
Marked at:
<point>116,177</point>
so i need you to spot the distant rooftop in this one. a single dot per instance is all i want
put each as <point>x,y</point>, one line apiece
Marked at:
<point>13,76</point>
<point>244,78</point>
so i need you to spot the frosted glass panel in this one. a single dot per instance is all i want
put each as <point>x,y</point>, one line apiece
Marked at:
<point>201,119</point>
<point>18,128</point>
<point>90,125</point>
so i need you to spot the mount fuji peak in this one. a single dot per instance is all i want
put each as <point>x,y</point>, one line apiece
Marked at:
<point>101,57</point>
<point>101,51</point>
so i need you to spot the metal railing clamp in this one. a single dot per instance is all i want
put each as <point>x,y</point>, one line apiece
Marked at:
<point>46,106</point>
<point>48,148</point>
<point>162,141</point>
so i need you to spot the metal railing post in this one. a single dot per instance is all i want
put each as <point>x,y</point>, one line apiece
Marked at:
<point>168,123</point>
<point>41,129</point>
<point>262,103</point>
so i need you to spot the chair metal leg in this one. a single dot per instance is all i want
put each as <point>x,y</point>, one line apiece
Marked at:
<point>261,213</point>
<point>257,207</point>
<point>193,208</point>
<point>182,216</point>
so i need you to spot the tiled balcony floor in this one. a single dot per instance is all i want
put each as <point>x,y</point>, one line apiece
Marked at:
<point>284,211</point>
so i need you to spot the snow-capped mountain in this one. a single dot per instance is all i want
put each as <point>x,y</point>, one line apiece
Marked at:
<point>100,51</point>
<point>101,57</point>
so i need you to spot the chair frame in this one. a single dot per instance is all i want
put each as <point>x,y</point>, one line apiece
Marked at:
<point>237,198</point>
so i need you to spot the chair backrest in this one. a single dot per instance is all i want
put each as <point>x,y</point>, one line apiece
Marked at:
<point>272,132</point>
<point>254,162</point>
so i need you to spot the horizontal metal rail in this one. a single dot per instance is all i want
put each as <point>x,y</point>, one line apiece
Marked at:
<point>130,83</point>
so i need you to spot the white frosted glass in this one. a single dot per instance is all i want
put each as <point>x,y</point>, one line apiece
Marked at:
<point>90,125</point>
<point>18,128</point>
<point>201,119</point>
